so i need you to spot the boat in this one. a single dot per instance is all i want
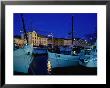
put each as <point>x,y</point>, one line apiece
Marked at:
<point>62,59</point>
<point>40,50</point>
<point>22,56</point>
<point>65,50</point>
<point>88,57</point>
<point>64,56</point>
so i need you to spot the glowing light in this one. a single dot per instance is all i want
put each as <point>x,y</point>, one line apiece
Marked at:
<point>21,31</point>
<point>49,67</point>
<point>74,52</point>
<point>33,31</point>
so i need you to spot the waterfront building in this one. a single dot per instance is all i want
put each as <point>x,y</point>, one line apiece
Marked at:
<point>67,42</point>
<point>76,42</point>
<point>60,41</point>
<point>43,40</point>
<point>56,41</point>
<point>36,39</point>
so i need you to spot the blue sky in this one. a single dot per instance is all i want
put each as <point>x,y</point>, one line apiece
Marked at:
<point>60,24</point>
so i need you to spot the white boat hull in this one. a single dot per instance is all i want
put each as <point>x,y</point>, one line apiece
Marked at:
<point>91,62</point>
<point>61,60</point>
<point>22,58</point>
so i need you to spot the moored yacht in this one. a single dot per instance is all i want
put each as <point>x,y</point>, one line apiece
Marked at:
<point>40,50</point>
<point>64,56</point>
<point>22,58</point>
<point>88,57</point>
<point>22,55</point>
<point>58,59</point>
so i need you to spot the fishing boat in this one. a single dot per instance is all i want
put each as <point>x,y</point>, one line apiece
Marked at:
<point>65,50</point>
<point>63,60</point>
<point>88,57</point>
<point>64,57</point>
<point>22,56</point>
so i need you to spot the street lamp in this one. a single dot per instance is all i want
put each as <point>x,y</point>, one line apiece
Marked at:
<point>51,35</point>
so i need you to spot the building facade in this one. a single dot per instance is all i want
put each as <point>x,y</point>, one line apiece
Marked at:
<point>76,42</point>
<point>56,41</point>
<point>67,42</point>
<point>36,39</point>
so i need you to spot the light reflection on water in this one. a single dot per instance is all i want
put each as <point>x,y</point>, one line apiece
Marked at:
<point>39,65</point>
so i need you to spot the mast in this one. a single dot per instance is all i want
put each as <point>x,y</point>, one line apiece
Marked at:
<point>25,34</point>
<point>72,30</point>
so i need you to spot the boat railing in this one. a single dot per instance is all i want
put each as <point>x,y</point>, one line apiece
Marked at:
<point>88,55</point>
<point>65,50</point>
<point>18,46</point>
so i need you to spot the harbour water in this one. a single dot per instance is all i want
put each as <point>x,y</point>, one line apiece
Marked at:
<point>39,65</point>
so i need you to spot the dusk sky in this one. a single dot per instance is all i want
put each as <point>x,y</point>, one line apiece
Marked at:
<point>60,24</point>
